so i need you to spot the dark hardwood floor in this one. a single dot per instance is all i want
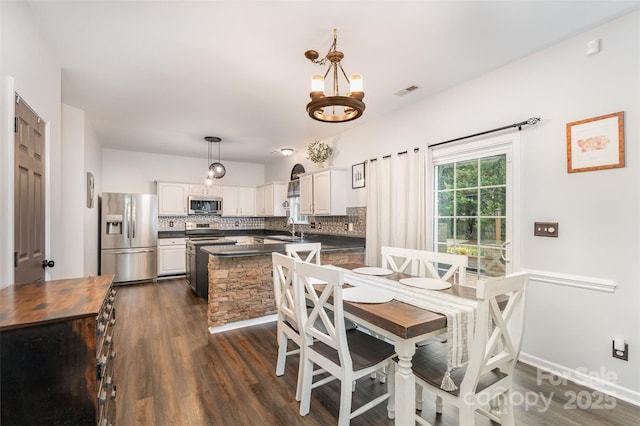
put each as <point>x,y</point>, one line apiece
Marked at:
<point>171,371</point>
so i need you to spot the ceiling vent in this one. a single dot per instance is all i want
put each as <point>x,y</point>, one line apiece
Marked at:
<point>407,90</point>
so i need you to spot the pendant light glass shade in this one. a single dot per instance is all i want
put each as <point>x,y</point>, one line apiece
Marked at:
<point>216,169</point>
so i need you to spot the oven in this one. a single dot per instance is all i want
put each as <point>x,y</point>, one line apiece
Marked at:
<point>197,261</point>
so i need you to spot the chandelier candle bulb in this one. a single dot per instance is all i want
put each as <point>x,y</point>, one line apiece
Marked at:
<point>356,84</point>
<point>317,83</point>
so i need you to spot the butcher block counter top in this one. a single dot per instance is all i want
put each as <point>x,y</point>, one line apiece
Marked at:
<point>24,305</point>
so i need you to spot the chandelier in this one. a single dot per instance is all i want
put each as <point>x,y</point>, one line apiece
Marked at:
<point>217,169</point>
<point>335,108</point>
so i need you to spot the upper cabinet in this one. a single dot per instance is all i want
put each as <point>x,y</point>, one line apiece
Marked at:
<point>238,201</point>
<point>172,198</point>
<point>324,193</point>
<point>204,190</point>
<point>269,199</point>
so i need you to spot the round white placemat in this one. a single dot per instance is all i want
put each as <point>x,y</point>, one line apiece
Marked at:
<point>371,270</point>
<point>426,283</point>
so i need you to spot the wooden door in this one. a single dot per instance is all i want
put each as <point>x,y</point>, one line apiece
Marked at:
<point>29,195</point>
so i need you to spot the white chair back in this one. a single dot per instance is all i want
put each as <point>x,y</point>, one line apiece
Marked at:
<point>401,260</point>
<point>422,263</point>
<point>498,336</point>
<point>453,265</point>
<point>283,287</point>
<point>323,322</point>
<point>310,252</point>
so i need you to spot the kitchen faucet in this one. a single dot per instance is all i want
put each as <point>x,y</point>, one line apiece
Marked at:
<point>293,227</point>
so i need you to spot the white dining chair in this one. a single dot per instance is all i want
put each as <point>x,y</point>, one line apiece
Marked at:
<point>309,251</point>
<point>345,355</point>
<point>284,279</point>
<point>426,264</point>
<point>492,359</point>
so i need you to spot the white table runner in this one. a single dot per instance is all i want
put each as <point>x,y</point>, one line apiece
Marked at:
<point>460,313</point>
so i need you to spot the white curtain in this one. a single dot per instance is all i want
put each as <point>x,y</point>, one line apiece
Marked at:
<point>397,197</point>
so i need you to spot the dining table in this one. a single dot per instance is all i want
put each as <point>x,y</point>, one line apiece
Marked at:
<point>405,325</point>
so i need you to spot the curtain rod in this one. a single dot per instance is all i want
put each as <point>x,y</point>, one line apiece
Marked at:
<point>530,122</point>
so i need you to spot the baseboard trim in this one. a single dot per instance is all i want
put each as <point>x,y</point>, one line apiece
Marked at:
<point>242,324</point>
<point>588,283</point>
<point>583,378</point>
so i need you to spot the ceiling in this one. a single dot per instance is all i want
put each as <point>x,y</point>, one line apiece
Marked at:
<point>158,76</point>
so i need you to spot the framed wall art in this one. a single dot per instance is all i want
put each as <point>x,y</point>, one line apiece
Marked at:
<point>596,143</point>
<point>357,176</point>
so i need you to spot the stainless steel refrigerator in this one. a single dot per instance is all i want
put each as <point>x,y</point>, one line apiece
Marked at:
<point>129,237</point>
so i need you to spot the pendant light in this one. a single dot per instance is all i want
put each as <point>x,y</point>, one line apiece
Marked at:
<point>216,169</point>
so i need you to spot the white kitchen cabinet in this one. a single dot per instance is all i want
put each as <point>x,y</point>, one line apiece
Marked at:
<point>238,201</point>
<point>171,256</point>
<point>172,198</point>
<point>324,193</point>
<point>269,199</point>
<point>204,190</point>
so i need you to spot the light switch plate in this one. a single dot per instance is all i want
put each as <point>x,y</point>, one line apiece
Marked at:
<point>545,229</point>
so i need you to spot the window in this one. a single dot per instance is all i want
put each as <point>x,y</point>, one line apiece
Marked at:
<point>470,211</point>
<point>294,211</point>
<point>473,203</point>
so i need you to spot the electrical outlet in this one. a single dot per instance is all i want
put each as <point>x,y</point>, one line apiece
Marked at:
<point>313,225</point>
<point>237,223</point>
<point>545,229</point>
<point>319,225</point>
<point>619,353</point>
<point>346,226</point>
<point>170,224</point>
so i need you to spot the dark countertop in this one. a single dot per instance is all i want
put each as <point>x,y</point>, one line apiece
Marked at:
<point>329,243</point>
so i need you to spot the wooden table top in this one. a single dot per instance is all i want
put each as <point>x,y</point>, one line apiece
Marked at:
<point>402,319</point>
<point>23,305</point>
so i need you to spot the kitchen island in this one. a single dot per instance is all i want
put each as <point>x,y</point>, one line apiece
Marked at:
<point>241,276</point>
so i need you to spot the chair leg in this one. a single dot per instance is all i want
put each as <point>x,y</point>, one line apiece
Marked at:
<point>282,353</point>
<point>439,405</point>
<point>345,402</point>
<point>507,417</point>
<point>466,415</point>
<point>307,381</point>
<point>300,377</point>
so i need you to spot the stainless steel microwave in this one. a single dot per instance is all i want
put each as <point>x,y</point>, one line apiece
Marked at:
<point>204,205</point>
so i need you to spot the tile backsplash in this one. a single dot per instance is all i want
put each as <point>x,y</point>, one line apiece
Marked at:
<point>327,225</point>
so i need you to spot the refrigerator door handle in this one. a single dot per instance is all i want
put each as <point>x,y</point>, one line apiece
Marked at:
<point>128,220</point>
<point>128,251</point>
<point>133,218</point>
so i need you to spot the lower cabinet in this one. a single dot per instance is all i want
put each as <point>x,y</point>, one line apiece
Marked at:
<point>171,256</point>
<point>57,353</point>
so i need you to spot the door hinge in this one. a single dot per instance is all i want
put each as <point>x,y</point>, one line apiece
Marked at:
<point>15,259</point>
<point>15,124</point>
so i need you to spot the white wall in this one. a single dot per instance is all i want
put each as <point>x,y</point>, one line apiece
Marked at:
<point>70,262</point>
<point>597,211</point>
<point>27,67</point>
<point>137,172</point>
<point>81,153</point>
<point>93,164</point>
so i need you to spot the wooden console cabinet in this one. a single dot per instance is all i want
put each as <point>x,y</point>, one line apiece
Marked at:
<point>57,354</point>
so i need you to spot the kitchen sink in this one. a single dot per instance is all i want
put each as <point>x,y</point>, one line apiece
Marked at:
<point>286,238</point>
